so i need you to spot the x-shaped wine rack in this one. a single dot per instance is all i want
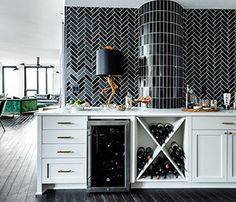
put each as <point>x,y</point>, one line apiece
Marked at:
<point>161,148</point>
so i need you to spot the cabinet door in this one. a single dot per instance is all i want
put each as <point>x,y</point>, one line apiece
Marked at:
<point>232,156</point>
<point>209,156</point>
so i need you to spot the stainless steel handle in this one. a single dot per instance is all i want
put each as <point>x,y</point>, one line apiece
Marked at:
<point>65,171</point>
<point>64,152</point>
<point>228,123</point>
<point>64,123</point>
<point>64,137</point>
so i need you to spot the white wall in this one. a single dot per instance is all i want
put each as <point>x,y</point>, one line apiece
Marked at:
<point>30,29</point>
<point>188,4</point>
<point>0,77</point>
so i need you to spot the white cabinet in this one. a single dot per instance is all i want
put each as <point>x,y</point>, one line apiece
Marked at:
<point>232,156</point>
<point>214,149</point>
<point>63,171</point>
<point>62,151</point>
<point>209,156</point>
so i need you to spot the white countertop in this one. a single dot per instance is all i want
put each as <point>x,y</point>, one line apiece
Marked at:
<point>133,112</point>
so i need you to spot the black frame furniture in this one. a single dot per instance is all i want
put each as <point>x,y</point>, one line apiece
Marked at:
<point>2,106</point>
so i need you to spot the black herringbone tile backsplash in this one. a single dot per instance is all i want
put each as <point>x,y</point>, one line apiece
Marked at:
<point>210,52</point>
<point>90,29</point>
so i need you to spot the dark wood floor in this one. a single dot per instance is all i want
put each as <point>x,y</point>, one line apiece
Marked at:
<point>18,178</point>
<point>165,195</point>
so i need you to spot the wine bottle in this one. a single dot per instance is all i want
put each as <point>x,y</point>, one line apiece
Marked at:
<point>159,170</point>
<point>150,171</point>
<point>161,133</point>
<point>172,154</point>
<point>160,129</point>
<point>175,148</point>
<point>140,164</point>
<point>175,172</point>
<point>141,154</point>
<point>149,153</point>
<point>152,129</point>
<point>167,165</point>
<point>169,127</point>
<point>178,150</point>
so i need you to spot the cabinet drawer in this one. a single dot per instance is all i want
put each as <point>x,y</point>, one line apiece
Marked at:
<point>64,171</point>
<point>64,122</point>
<point>214,123</point>
<point>63,150</point>
<point>64,136</point>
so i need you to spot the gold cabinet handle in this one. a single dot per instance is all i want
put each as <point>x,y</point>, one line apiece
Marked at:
<point>64,123</point>
<point>64,152</point>
<point>228,123</point>
<point>65,171</point>
<point>64,137</point>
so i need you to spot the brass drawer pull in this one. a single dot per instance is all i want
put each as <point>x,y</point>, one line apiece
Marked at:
<point>64,137</point>
<point>65,171</point>
<point>64,123</point>
<point>64,152</point>
<point>228,123</point>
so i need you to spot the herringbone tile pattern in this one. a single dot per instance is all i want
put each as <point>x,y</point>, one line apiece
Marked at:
<point>210,52</point>
<point>90,29</point>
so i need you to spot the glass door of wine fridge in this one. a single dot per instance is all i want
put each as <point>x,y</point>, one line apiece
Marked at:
<point>108,155</point>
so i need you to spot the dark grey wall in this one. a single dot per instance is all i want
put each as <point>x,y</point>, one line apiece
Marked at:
<point>210,52</point>
<point>90,29</point>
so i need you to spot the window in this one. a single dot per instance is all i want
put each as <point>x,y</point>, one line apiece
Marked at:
<point>38,80</point>
<point>10,81</point>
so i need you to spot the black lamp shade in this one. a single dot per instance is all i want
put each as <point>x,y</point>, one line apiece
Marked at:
<point>109,62</point>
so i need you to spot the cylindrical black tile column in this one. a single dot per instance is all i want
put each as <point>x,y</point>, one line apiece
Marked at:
<point>161,53</point>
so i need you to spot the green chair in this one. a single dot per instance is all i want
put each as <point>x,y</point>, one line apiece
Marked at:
<point>29,105</point>
<point>13,106</point>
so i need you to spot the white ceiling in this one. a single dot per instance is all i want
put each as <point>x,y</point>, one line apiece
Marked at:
<point>30,28</point>
<point>195,4</point>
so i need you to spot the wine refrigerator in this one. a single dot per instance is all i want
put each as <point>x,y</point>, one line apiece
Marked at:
<point>108,156</point>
